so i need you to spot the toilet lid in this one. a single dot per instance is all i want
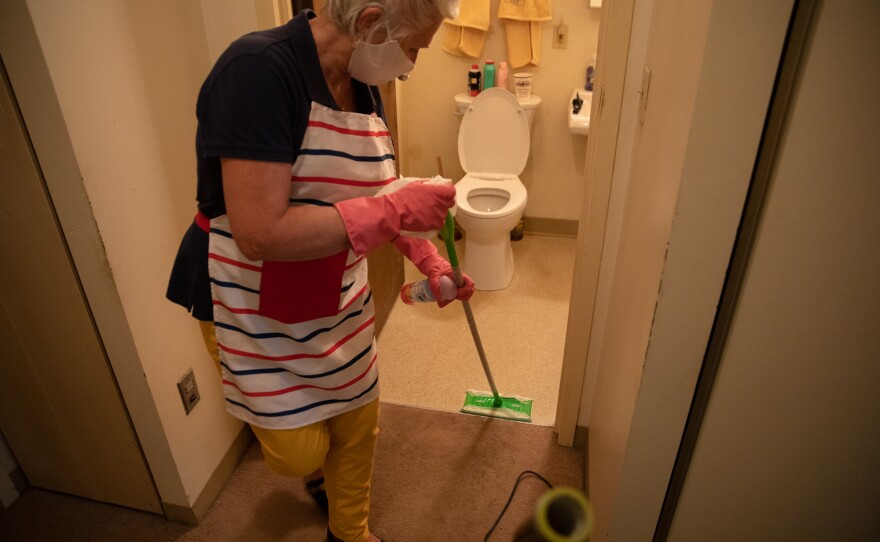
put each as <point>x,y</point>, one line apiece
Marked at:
<point>494,134</point>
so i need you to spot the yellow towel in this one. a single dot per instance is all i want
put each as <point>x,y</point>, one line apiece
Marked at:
<point>523,43</point>
<point>525,10</point>
<point>466,34</point>
<point>522,28</point>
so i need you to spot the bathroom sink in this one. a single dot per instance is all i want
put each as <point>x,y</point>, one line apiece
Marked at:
<point>579,123</point>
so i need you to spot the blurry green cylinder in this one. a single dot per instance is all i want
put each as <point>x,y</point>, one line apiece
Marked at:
<point>562,514</point>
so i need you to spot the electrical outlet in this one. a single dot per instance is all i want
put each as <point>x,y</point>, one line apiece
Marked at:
<point>560,36</point>
<point>189,391</point>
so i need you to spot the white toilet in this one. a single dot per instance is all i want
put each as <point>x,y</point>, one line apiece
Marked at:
<point>493,147</point>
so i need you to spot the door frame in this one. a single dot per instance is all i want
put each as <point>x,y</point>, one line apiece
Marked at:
<point>613,54</point>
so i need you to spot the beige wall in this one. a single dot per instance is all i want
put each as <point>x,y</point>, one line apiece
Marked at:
<point>554,175</point>
<point>226,20</point>
<point>126,75</point>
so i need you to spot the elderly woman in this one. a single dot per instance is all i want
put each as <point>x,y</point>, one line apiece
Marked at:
<point>291,149</point>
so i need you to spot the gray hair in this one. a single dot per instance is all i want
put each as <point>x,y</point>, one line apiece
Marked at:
<point>399,17</point>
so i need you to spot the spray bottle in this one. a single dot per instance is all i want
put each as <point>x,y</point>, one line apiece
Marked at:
<point>591,72</point>
<point>420,292</point>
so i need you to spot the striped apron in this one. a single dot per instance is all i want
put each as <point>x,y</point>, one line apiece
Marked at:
<point>296,339</point>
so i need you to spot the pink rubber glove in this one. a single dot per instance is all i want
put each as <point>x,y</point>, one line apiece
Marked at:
<point>371,222</point>
<point>424,255</point>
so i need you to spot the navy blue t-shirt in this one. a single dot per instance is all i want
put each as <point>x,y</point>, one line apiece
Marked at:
<point>253,105</point>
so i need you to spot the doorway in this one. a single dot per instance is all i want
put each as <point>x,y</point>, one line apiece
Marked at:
<point>523,327</point>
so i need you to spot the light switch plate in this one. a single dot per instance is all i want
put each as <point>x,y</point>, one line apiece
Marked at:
<point>560,36</point>
<point>189,391</point>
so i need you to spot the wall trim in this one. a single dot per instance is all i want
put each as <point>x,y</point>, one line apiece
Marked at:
<point>216,482</point>
<point>555,227</point>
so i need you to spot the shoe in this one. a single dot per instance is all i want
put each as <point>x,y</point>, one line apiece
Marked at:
<point>315,488</point>
<point>331,538</point>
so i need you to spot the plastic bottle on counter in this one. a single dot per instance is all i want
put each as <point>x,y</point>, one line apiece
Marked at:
<point>591,72</point>
<point>474,77</point>
<point>502,75</point>
<point>489,74</point>
<point>420,292</point>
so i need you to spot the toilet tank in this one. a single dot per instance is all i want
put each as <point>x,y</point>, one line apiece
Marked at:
<point>463,100</point>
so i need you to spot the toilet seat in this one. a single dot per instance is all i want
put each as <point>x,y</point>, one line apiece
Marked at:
<point>512,187</point>
<point>494,135</point>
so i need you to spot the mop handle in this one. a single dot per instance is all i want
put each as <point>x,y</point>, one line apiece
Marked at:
<point>449,238</point>
<point>479,344</point>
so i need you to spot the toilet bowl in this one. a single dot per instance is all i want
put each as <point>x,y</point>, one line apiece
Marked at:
<point>493,147</point>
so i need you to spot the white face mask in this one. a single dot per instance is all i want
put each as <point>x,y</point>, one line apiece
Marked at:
<point>375,64</point>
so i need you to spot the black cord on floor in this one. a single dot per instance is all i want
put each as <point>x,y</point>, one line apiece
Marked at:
<point>510,499</point>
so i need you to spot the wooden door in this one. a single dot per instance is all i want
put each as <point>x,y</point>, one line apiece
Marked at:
<point>60,408</point>
<point>386,263</point>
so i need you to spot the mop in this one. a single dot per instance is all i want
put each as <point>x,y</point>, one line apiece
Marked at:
<point>508,407</point>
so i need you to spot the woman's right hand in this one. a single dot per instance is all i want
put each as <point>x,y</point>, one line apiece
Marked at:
<point>371,222</point>
<point>422,206</point>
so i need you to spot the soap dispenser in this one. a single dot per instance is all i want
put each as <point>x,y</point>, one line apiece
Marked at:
<point>577,103</point>
<point>591,73</point>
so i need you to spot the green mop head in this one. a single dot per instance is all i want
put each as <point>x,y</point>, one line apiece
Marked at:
<point>484,403</point>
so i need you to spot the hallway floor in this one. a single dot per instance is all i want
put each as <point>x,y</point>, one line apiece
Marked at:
<point>432,482</point>
<point>428,358</point>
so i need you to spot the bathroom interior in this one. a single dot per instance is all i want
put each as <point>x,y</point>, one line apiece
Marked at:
<point>429,357</point>
<point>812,401</point>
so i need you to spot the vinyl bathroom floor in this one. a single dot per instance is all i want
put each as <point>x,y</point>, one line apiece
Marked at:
<point>427,355</point>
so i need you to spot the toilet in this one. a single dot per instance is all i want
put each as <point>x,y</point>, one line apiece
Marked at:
<point>493,147</point>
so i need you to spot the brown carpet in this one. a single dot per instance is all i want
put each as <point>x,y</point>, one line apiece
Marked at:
<point>439,476</point>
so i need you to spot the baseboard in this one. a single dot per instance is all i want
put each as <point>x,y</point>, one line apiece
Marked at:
<point>206,499</point>
<point>555,227</point>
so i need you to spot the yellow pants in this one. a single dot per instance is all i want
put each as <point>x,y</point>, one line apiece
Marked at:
<point>342,446</point>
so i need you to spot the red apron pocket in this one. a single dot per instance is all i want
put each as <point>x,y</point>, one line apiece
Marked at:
<point>293,292</point>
